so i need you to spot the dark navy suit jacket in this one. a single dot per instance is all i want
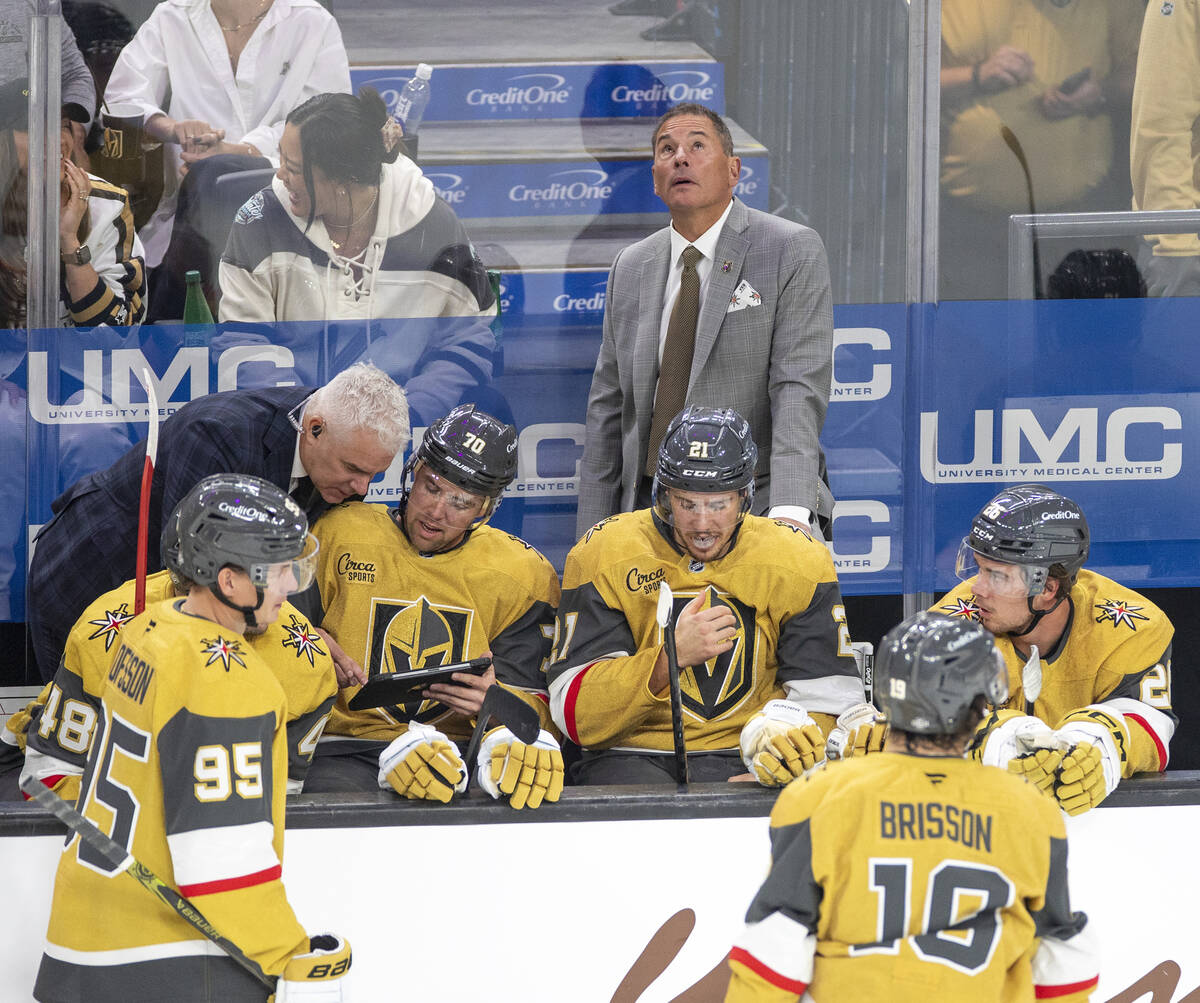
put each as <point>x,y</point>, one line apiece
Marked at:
<point>90,545</point>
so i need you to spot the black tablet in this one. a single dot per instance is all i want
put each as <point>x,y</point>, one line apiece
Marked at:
<point>406,687</point>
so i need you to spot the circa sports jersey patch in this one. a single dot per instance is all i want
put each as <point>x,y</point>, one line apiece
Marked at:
<point>354,570</point>
<point>303,638</point>
<point>962,607</point>
<point>1120,612</point>
<point>110,624</point>
<point>251,210</point>
<point>223,650</point>
<point>645,582</point>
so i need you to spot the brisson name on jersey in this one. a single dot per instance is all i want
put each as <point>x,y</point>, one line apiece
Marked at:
<point>914,879</point>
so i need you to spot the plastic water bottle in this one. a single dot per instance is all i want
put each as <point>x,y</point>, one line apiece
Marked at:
<point>414,99</point>
<point>197,317</point>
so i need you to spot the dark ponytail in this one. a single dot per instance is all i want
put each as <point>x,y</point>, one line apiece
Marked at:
<point>342,135</point>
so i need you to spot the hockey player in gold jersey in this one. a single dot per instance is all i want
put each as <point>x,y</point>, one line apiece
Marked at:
<point>917,875</point>
<point>60,724</point>
<point>1089,660</point>
<point>185,771</point>
<point>764,653</point>
<point>428,584</point>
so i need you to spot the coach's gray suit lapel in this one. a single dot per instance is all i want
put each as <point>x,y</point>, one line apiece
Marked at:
<point>732,246</point>
<point>655,267</point>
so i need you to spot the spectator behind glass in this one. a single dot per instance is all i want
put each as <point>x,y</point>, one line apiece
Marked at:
<point>349,232</point>
<point>1165,147</point>
<point>1057,74</point>
<point>102,269</point>
<point>78,88</point>
<point>216,78</point>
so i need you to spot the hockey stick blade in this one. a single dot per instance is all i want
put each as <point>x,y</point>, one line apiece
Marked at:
<point>665,604</point>
<point>511,711</point>
<point>122,860</point>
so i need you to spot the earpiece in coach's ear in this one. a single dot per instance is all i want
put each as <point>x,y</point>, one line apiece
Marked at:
<point>316,430</point>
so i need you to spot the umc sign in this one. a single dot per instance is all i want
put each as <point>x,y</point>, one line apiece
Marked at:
<point>1043,448</point>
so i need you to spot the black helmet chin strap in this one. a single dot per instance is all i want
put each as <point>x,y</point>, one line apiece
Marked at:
<point>246,611</point>
<point>1035,615</point>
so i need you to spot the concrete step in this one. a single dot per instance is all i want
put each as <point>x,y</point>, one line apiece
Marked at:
<point>410,31</point>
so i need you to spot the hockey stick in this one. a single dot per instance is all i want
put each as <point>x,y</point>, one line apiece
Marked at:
<point>1014,144</point>
<point>122,860</point>
<point>511,711</point>
<point>143,537</point>
<point>667,623</point>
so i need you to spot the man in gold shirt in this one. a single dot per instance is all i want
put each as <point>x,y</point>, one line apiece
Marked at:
<point>1165,140</point>
<point>1057,75</point>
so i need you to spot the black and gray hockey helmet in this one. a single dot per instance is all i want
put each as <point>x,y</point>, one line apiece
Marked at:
<point>472,450</point>
<point>1030,525</point>
<point>707,450</point>
<point>931,667</point>
<point>238,520</point>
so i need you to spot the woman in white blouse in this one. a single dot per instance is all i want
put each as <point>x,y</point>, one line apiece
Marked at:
<point>215,77</point>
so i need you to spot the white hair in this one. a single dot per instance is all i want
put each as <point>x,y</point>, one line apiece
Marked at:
<point>364,396</point>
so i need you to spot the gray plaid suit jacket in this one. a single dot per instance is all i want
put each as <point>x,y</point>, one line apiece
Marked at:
<point>771,362</point>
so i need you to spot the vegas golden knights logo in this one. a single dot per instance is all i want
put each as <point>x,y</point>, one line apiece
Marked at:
<point>416,635</point>
<point>721,683</point>
<point>114,144</point>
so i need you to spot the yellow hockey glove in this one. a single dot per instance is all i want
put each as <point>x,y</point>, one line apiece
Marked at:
<point>423,764</point>
<point>526,774</point>
<point>1039,768</point>
<point>1081,785</point>
<point>1097,739</point>
<point>858,731</point>
<point>316,977</point>
<point>780,742</point>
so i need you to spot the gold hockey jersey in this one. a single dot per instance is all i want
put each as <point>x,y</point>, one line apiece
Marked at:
<point>61,726</point>
<point>791,635</point>
<point>393,609</point>
<point>913,879</point>
<point>1115,652</point>
<point>186,770</point>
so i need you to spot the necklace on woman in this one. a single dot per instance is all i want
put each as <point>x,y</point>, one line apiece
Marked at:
<point>350,226</point>
<point>265,5</point>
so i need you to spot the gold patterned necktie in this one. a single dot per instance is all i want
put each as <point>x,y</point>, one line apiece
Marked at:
<point>676,365</point>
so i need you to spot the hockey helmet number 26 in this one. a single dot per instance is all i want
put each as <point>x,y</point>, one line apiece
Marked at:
<point>1029,525</point>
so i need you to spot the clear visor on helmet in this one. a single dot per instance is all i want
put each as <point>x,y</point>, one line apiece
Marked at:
<point>718,504</point>
<point>997,579</point>
<point>289,577</point>
<point>435,499</point>
<point>997,684</point>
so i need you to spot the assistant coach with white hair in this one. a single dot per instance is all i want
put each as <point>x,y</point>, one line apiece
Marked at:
<point>323,446</point>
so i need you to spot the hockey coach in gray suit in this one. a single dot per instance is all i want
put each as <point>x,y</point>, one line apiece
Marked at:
<point>726,307</point>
